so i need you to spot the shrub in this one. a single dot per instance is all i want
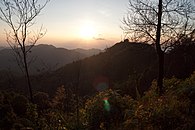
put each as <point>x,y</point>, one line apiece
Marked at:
<point>173,110</point>
<point>106,110</point>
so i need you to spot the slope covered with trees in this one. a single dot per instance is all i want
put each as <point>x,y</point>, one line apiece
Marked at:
<point>126,66</point>
<point>112,90</point>
<point>122,61</point>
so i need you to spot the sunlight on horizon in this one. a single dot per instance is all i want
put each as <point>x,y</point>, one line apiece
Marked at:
<point>87,31</point>
<point>73,24</point>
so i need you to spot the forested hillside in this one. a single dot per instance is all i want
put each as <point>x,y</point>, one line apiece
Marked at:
<point>124,63</point>
<point>115,89</point>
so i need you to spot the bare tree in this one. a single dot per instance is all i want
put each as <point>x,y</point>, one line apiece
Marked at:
<point>162,22</point>
<point>20,16</point>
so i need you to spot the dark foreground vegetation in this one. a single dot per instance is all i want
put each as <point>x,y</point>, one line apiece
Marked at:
<point>107,109</point>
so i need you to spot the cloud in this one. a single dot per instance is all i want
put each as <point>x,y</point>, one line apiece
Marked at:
<point>99,37</point>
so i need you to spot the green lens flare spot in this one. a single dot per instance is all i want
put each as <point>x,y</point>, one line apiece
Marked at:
<point>106,104</point>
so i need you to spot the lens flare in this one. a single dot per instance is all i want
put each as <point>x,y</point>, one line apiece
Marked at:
<point>101,83</point>
<point>106,104</point>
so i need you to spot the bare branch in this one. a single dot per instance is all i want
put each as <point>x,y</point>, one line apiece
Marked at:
<point>19,15</point>
<point>178,17</point>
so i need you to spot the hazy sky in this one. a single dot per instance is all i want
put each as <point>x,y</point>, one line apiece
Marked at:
<point>80,23</point>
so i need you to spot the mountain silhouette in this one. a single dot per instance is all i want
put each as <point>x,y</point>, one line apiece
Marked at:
<point>44,58</point>
<point>126,66</point>
<point>87,52</point>
<point>115,65</point>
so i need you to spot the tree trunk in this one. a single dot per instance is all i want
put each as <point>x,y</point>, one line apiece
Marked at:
<point>160,72</point>
<point>27,76</point>
<point>160,53</point>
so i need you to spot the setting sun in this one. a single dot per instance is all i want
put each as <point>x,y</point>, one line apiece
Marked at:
<point>87,31</point>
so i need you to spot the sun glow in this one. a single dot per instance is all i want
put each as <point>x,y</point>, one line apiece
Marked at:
<point>87,31</point>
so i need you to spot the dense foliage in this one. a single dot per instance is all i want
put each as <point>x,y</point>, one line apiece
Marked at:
<point>107,110</point>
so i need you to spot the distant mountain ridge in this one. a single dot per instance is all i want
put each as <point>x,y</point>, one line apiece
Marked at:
<point>44,58</point>
<point>88,52</point>
<point>126,66</point>
<point>2,47</point>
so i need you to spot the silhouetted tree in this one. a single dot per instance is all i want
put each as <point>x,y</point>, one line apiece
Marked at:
<point>19,15</point>
<point>161,23</point>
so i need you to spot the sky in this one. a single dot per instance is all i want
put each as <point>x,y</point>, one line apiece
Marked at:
<point>79,23</point>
